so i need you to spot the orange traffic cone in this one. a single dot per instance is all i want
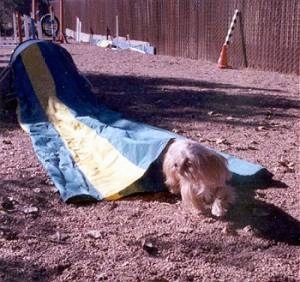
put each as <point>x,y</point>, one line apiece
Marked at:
<point>223,61</point>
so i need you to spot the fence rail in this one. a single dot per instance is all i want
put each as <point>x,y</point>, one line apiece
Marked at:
<point>266,36</point>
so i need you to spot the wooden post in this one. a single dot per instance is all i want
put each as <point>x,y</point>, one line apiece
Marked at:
<point>117,30</point>
<point>33,9</point>
<point>61,36</point>
<point>39,29</point>
<point>15,27</point>
<point>27,24</point>
<point>19,27</point>
<point>117,26</point>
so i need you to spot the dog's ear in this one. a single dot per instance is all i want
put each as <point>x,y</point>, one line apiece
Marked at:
<point>185,166</point>
<point>216,168</point>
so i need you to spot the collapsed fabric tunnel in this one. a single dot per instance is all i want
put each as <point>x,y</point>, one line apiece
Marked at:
<point>88,150</point>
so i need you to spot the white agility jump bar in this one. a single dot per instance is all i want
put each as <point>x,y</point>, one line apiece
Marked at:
<point>231,28</point>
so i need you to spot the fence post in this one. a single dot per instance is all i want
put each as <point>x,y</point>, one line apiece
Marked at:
<point>15,26</point>
<point>19,27</point>
<point>33,8</point>
<point>26,26</point>
<point>61,36</point>
<point>32,28</point>
<point>117,30</point>
<point>39,29</point>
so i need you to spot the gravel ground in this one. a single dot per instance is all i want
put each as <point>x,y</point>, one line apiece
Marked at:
<point>248,113</point>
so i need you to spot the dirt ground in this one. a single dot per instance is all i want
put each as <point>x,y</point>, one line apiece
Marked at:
<point>248,113</point>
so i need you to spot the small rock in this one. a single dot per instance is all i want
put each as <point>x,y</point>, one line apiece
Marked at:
<point>8,203</point>
<point>289,166</point>
<point>222,141</point>
<point>248,229</point>
<point>53,190</point>
<point>229,230</point>
<point>250,147</point>
<point>9,235</point>
<point>7,142</point>
<point>37,190</point>
<point>241,148</point>
<point>95,234</point>
<point>213,113</point>
<point>209,220</point>
<point>219,140</point>
<point>178,131</point>
<point>202,140</point>
<point>30,210</point>
<point>113,205</point>
<point>58,236</point>
<point>261,128</point>
<point>149,247</point>
<point>185,230</point>
<point>260,195</point>
<point>101,276</point>
<point>289,170</point>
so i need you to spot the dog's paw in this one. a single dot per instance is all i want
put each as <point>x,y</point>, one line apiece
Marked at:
<point>217,209</point>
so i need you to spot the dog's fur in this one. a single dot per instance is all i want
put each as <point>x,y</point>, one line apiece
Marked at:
<point>200,175</point>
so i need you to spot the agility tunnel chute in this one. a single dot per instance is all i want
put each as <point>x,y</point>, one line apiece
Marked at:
<point>87,149</point>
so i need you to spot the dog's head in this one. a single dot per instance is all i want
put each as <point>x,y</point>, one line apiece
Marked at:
<point>195,163</point>
<point>171,166</point>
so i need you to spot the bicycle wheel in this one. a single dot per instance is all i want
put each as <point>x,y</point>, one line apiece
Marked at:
<point>49,27</point>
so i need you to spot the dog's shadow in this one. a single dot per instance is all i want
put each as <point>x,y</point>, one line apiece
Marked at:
<point>254,214</point>
<point>263,219</point>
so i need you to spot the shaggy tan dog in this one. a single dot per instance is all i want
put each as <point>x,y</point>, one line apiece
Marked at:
<point>200,175</point>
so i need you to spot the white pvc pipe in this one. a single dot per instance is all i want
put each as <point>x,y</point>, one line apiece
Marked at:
<point>27,21</point>
<point>78,29</point>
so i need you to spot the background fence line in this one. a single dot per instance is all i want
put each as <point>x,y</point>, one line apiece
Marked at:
<point>266,36</point>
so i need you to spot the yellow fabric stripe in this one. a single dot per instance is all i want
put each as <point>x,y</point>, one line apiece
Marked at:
<point>105,168</point>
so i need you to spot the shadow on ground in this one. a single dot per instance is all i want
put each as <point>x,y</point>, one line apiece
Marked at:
<point>22,270</point>
<point>178,99</point>
<point>263,219</point>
